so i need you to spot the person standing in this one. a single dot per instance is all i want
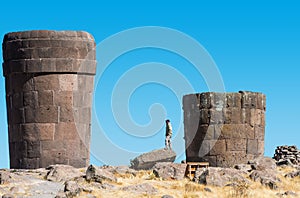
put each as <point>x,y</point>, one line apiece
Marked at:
<point>168,135</point>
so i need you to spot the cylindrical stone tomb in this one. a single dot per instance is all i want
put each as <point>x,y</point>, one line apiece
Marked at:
<point>224,129</point>
<point>49,78</point>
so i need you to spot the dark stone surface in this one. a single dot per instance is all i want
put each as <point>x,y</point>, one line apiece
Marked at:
<point>168,170</point>
<point>224,128</point>
<point>46,74</point>
<point>147,160</point>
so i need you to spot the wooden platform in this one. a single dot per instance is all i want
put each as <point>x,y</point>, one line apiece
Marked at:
<point>192,167</point>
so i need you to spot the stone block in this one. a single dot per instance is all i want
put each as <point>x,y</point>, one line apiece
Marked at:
<point>46,131</point>
<point>82,115</point>
<point>218,101</point>
<point>204,148</point>
<point>14,133</point>
<point>207,131</point>
<point>252,147</point>
<point>232,115</point>
<point>17,100</point>
<point>47,82</point>
<point>43,114</point>
<point>217,147</point>
<point>236,144</point>
<point>38,43</point>
<point>233,100</point>
<point>30,98</point>
<point>205,100</point>
<point>204,116</point>
<point>16,116</point>
<point>30,132</point>
<point>261,101</point>
<point>229,131</point>
<point>231,158</point>
<point>68,129</point>
<point>68,82</point>
<point>45,97</point>
<point>29,163</point>
<point>50,144</point>
<point>246,116</point>
<point>33,149</point>
<point>54,156</point>
<point>260,147</point>
<point>83,131</point>
<point>65,64</point>
<point>66,114</point>
<point>83,99</point>
<point>78,163</point>
<point>249,99</point>
<point>63,98</point>
<point>216,116</point>
<point>259,133</point>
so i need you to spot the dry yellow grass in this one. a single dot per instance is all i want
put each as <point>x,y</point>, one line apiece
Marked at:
<point>188,189</point>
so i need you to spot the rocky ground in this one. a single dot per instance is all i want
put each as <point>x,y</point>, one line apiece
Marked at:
<point>258,178</point>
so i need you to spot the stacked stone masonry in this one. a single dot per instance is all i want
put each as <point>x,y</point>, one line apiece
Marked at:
<point>224,128</point>
<point>49,83</point>
<point>287,155</point>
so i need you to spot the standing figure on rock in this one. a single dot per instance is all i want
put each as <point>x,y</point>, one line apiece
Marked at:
<point>168,135</point>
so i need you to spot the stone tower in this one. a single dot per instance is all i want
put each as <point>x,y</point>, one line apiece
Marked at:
<point>224,128</point>
<point>49,84</point>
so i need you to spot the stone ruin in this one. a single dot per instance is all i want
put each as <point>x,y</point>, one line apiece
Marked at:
<point>224,128</point>
<point>287,155</point>
<point>49,84</point>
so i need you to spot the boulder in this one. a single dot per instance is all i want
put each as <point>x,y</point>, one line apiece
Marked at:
<point>62,173</point>
<point>146,161</point>
<point>72,189</point>
<point>266,178</point>
<point>98,174</point>
<point>263,163</point>
<point>144,188</point>
<point>168,170</point>
<point>220,177</point>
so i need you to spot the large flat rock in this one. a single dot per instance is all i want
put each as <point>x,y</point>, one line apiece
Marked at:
<point>146,161</point>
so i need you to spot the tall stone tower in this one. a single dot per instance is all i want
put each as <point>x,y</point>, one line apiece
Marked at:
<point>224,128</point>
<point>49,84</point>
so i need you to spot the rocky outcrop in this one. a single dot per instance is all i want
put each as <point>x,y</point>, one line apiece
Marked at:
<point>60,173</point>
<point>266,178</point>
<point>263,163</point>
<point>168,170</point>
<point>219,176</point>
<point>146,161</point>
<point>287,155</point>
<point>99,174</point>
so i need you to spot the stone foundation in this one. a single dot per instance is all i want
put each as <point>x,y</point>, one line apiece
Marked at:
<point>224,128</point>
<point>49,85</point>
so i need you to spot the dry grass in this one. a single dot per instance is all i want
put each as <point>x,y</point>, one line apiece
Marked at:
<point>188,189</point>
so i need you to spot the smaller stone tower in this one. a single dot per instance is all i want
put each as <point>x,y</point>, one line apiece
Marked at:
<point>224,128</point>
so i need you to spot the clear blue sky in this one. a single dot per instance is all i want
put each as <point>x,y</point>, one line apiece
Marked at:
<point>255,45</point>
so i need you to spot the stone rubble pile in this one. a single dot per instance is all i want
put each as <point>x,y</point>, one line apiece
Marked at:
<point>287,155</point>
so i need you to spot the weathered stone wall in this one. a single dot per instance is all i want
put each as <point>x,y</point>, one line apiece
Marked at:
<point>49,85</point>
<point>224,128</point>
